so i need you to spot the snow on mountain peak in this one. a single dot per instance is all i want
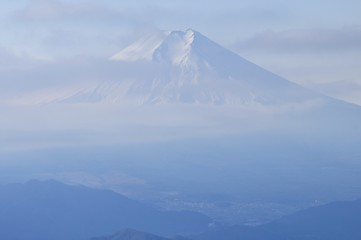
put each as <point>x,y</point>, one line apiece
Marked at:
<point>172,47</point>
<point>175,49</point>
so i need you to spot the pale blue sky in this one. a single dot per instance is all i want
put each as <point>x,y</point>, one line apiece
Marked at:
<point>310,42</point>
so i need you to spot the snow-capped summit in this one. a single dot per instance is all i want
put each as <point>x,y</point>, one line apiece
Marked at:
<point>173,47</point>
<point>176,48</point>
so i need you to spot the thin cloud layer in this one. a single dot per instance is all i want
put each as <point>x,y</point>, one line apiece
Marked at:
<point>38,11</point>
<point>310,40</point>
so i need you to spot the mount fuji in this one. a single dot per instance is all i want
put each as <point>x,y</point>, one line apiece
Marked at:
<point>176,67</point>
<point>193,69</point>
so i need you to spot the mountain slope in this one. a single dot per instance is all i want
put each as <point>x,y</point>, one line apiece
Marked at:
<point>334,221</point>
<point>51,210</point>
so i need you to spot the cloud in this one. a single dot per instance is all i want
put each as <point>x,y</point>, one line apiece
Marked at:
<point>11,60</point>
<point>58,28</point>
<point>301,40</point>
<point>53,10</point>
<point>6,57</point>
<point>44,12</point>
<point>107,180</point>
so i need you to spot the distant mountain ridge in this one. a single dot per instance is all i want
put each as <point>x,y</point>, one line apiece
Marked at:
<point>333,221</point>
<point>131,234</point>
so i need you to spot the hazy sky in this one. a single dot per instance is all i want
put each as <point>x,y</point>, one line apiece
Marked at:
<point>315,43</point>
